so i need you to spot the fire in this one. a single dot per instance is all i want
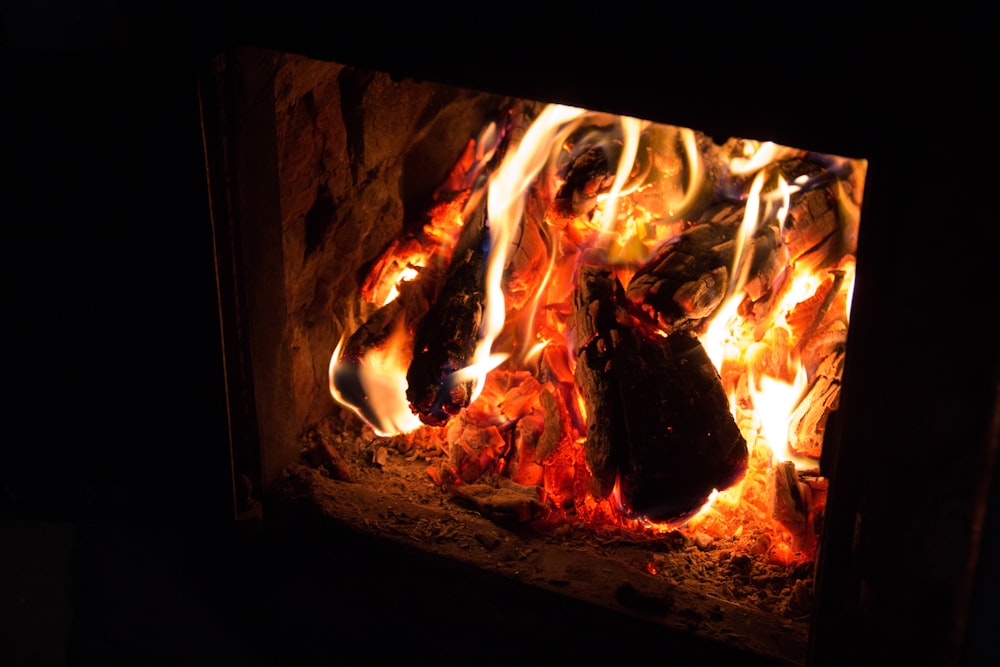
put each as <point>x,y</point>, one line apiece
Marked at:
<point>378,381</point>
<point>759,239</point>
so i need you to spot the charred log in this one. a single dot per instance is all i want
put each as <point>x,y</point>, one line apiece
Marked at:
<point>591,171</point>
<point>593,329</point>
<point>682,440</point>
<point>446,337</point>
<point>685,281</point>
<point>812,222</point>
<point>657,415</point>
<point>590,174</point>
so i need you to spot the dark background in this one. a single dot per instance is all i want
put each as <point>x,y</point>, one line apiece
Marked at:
<point>114,466</point>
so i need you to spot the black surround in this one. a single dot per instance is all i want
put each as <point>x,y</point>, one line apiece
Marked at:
<point>913,475</point>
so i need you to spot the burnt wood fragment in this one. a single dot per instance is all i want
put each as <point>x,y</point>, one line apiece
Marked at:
<point>590,174</point>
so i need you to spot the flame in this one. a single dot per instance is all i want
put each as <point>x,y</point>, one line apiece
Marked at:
<point>751,221</point>
<point>505,208</point>
<point>773,401</point>
<point>374,387</point>
<point>756,156</point>
<point>719,337</point>
<point>631,128</point>
<point>405,276</point>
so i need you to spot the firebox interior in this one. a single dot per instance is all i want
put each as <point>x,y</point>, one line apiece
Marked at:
<point>376,184</point>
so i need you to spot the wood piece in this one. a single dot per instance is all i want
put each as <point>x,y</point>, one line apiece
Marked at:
<point>591,327</point>
<point>322,454</point>
<point>684,282</point>
<point>511,503</point>
<point>811,220</point>
<point>808,421</point>
<point>446,337</point>
<point>658,418</point>
<point>588,175</point>
<point>786,500</point>
<point>682,439</point>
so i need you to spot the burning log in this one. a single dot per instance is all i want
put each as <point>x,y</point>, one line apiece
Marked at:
<point>446,337</point>
<point>812,220</point>
<point>809,419</point>
<point>593,325</point>
<point>587,176</point>
<point>683,441</point>
<point>686,279</point>
<point>657,414</point>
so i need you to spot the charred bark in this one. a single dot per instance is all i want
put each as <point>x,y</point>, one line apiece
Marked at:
<point>657,415</point>
<point>682,440</point>
<point>685,281</point>
<point>446,337</point>
<point>594,329</point>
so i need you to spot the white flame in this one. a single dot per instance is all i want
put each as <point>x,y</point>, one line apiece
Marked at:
<point>774,401</point>
<point>631,129</point>
<point>505,207</point>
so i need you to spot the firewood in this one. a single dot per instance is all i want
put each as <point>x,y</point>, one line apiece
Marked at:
<point>685,280</point>
<point>786,500</point>
<point>591,173</point>
<point>682,439</point>
<point>808,421</point>
<point>812,219</point>
<point>657,415</point>
<point>592,324</point>
<point>446,337</point>
<point>683,283</point>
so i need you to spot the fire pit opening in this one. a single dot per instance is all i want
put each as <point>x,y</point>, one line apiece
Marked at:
<point>592,352</point>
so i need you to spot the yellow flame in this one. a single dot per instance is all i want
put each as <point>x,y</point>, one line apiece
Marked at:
<point>719,335</point>
<point>774,401</point>
<point>505,207</point>
<point>631,129</point>
<point>406,275</point>
<point>696,172</point>
<point>756,157</point>
<point>751,220</point>
<point>381,374</point>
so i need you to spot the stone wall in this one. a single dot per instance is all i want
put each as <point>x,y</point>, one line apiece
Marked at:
<point>359,155</point>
